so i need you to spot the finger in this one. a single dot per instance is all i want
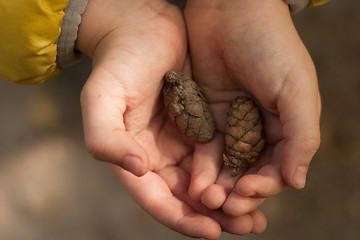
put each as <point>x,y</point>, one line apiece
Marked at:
<point>206,166</point>
<point>267,180</point>
<point>240,225</point>
<point>259,222</point>
<point>177,181</point>
<point>154,195</point>
<point>236,205</point>
<point>260,186</point>
<point>299,114</point>
<point>105,133</point>
<point>214,196</point>
<point>264,178</point>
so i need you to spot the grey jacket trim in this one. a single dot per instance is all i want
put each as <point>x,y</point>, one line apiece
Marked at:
<point>297,5</point>
<point>66,52</point>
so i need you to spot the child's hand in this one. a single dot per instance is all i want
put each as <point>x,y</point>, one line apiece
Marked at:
<point>251,47</point>
<point>133,44</point>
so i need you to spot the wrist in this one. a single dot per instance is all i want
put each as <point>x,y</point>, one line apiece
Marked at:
<point>98,20</point>
<point>233,4</point>
<point>89,31</point>
<point>106,19</point>
<point>246,12</point>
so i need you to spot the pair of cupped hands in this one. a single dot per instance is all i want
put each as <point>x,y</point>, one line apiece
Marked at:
<point>232,48</point>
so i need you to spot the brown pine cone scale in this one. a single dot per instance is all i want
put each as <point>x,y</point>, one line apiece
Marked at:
<point>244,137</point>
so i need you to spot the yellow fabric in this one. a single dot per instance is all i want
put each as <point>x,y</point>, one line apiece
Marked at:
<point>28,33</point>
<point>315,3</point>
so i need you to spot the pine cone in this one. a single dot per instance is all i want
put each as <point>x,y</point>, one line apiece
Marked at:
<point>188,108</point>
<point>244,136</point>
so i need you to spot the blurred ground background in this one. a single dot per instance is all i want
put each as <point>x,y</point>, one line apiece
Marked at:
<point>51,188</point>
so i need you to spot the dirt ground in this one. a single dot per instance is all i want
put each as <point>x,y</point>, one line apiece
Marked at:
<point>51,188</point>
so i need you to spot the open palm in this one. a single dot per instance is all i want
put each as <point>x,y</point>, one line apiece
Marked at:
<point>252,48</point>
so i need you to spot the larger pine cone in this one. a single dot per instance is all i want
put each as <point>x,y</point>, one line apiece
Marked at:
<point>188,108</point>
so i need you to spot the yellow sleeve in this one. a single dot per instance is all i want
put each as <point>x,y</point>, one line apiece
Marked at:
<point>29,30</point>
<point>315,3</point>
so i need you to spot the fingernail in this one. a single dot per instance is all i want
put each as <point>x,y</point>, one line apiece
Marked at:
<point>299,177</point>
<point>132,164</point>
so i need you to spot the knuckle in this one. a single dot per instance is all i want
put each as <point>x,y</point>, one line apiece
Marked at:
<point>314,143</point>
<point>97,150</point>
<point>310,147</point>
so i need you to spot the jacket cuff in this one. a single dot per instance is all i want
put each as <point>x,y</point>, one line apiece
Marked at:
<point>66,52</point>
<point>297,5</point>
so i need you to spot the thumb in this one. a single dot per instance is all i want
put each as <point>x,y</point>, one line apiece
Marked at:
<point>300,118</point>
<point>105,133</point>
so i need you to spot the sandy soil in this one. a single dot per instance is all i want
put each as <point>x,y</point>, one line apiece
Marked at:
<point>51,188</point>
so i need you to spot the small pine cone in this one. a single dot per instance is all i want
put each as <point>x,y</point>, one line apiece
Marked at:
<point>188,108</point>
<point>244,136</point>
